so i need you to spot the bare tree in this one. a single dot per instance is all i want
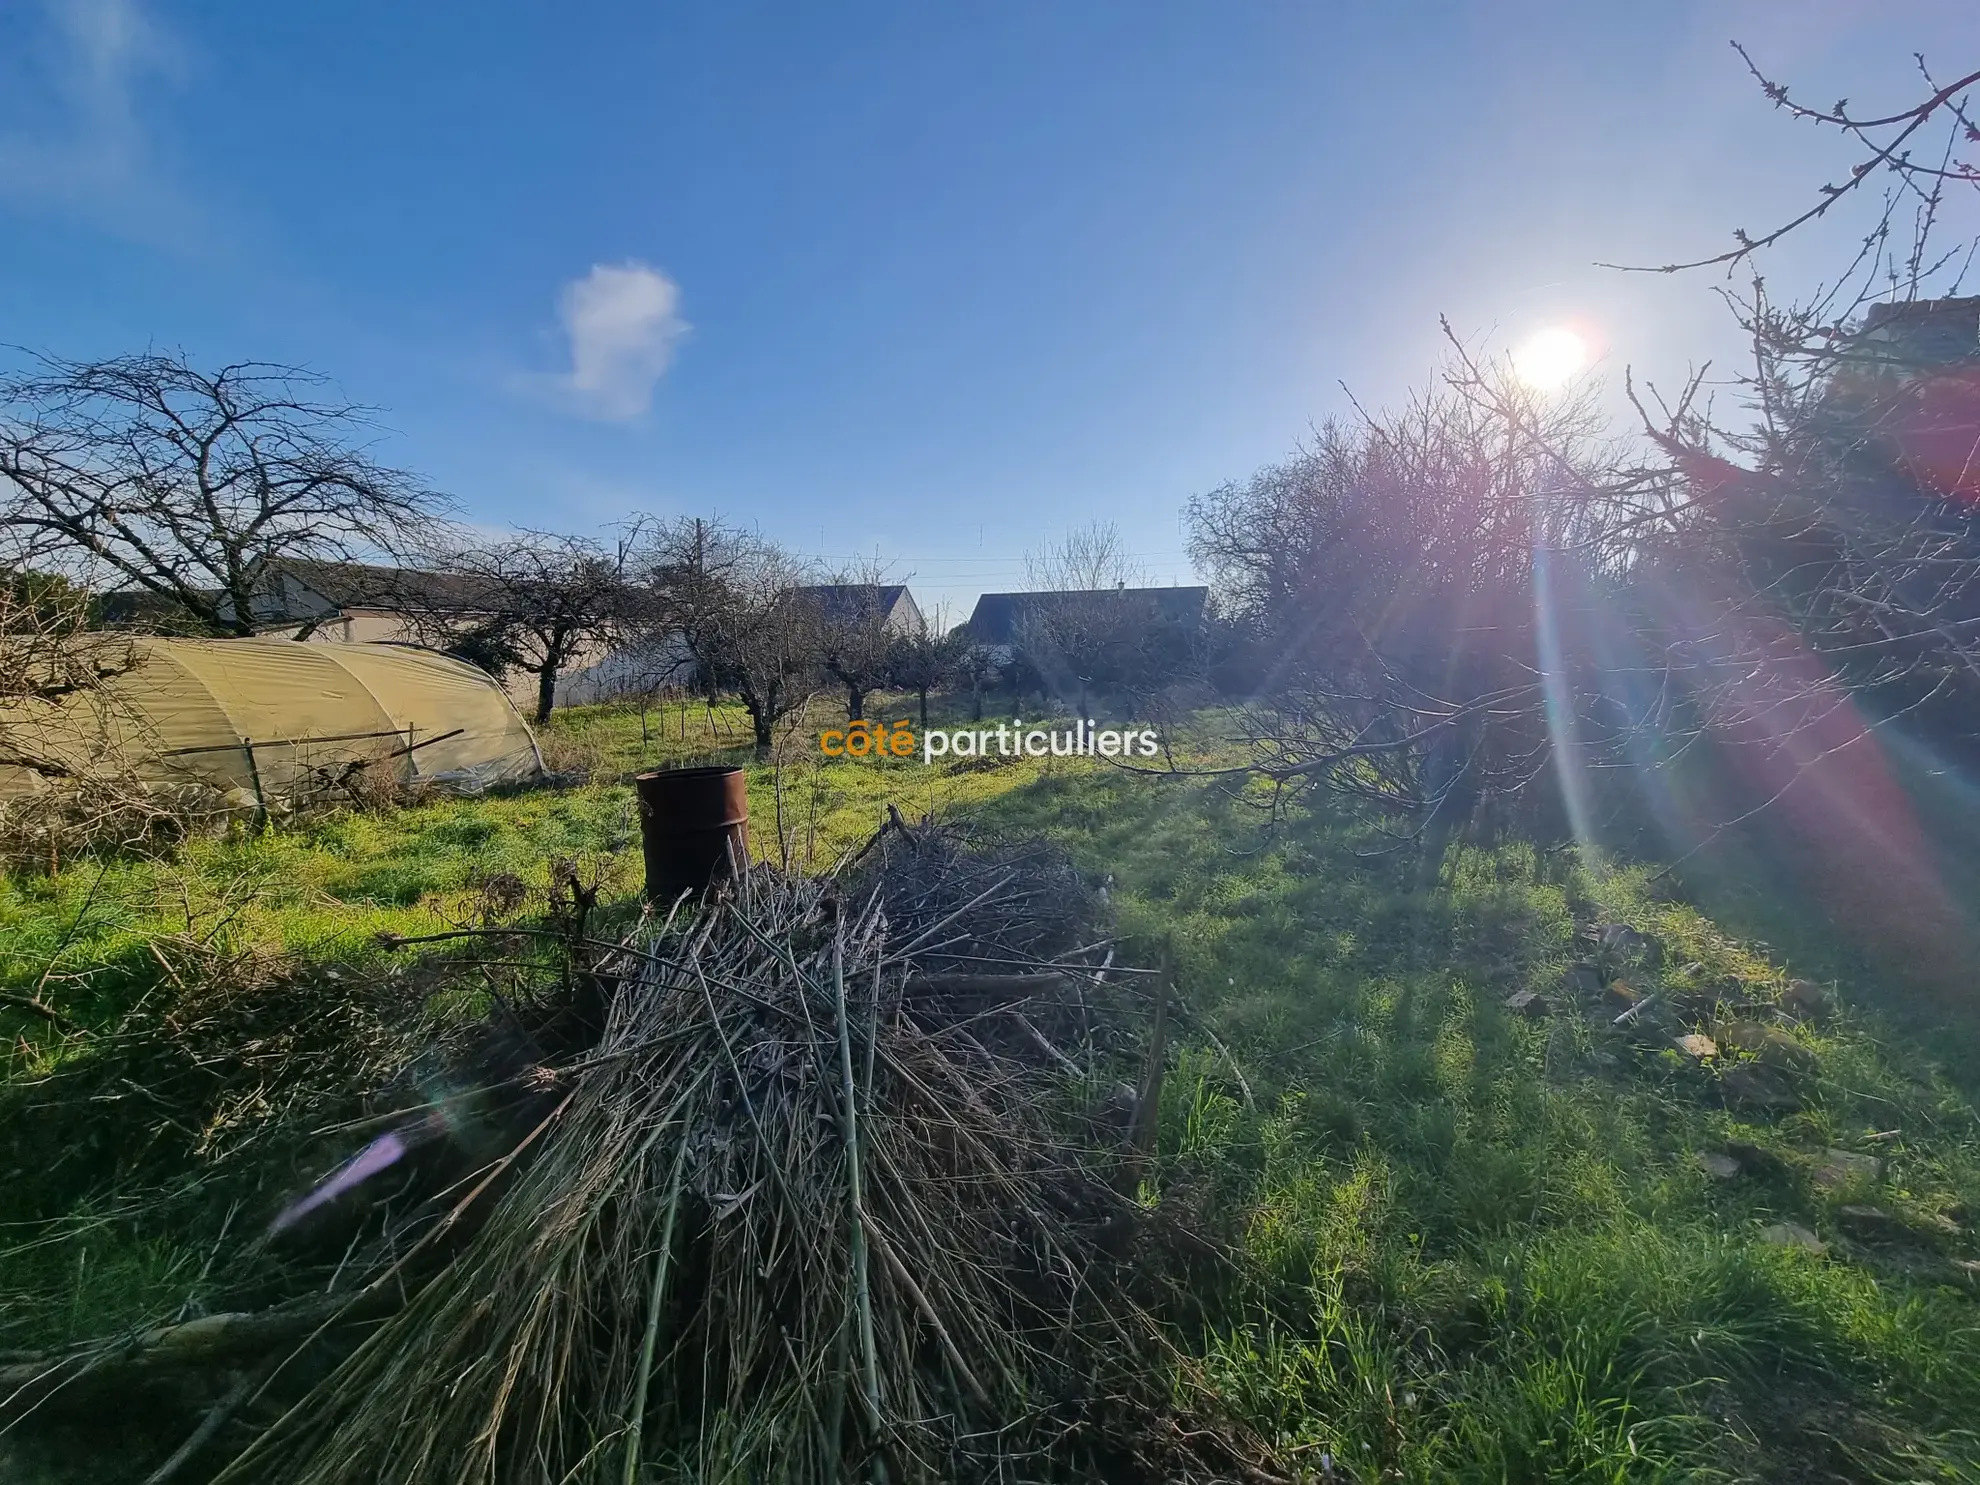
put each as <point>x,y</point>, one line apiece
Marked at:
<point>976,663</point>
<point>855,633</point>
<point>1818,558</point>
<point>68,741</point>
<point>1887,149</point>
<point>537,602</point>
<point>732,600</point>
<point>1824,560</point>
<point>687,566</point>
<point>1088,559</point>
<point>149,472</point>
<point>1386,576</point>
<point>1077,629</point>
<point>923,659</point>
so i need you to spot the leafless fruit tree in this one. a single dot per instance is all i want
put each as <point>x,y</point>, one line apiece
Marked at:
<point>977,665</point>
<point>1385,578</point>
<point>147,472</point>
<point>925,659</point>
<point>855,633</point>
<point>540,601</point>
<point>731,599</point>
<point>1078,629</point>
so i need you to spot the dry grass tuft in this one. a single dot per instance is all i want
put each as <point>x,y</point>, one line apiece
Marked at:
<point>813,1206</point>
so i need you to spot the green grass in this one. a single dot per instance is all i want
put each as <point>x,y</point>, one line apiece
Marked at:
<point>323,889</point>
<point>1470,1246</point>
<point>1478,1245</point>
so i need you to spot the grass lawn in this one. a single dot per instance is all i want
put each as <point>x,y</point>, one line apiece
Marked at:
<point>1470,1244</point>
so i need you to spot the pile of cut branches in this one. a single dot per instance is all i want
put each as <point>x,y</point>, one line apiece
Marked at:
<point>818,1203</point>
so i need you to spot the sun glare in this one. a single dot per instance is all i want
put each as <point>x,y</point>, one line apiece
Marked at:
<point>1548,358</point>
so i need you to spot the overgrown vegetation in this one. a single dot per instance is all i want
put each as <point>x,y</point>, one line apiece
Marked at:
<point>1466,1242</point>
<point>402,1142</point>
<point>1485,1244</point>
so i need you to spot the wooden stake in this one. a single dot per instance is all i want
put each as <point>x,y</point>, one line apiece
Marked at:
<point>862,1292</point>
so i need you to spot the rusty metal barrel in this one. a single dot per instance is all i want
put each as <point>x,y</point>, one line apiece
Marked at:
<point>689,819</point>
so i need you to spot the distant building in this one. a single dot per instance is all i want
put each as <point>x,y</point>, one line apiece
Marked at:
<point>855,603</point>
<point>1920,334</point>
<point>1909,379</point>
<point>346,602</point>
<point>1000,619</point>
<point>354,603</point>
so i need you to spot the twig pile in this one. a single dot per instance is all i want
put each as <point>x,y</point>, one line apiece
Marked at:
<point>804,1212</point>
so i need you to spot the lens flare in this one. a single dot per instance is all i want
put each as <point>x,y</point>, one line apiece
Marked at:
<point>1548,359</point>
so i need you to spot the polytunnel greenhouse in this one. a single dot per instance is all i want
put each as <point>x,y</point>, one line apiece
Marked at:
<point>266,721</point>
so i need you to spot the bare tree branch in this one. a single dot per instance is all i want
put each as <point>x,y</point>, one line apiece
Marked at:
<point>148,473</point>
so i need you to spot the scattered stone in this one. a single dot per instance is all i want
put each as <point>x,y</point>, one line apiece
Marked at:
<point>1944,1225</point>
<point>1754,1085</point>
<point>1698,1000</point>
<point>1793,1235</point>
<point>1529,1003</point>
<point>1769,1043</point>
<point>1872,1224</point>
<point>1619,940</point>
<point>1917,1263</point>
<point>1696,1045</point>
<point>1835,1168</point>
<point>1755,1159</point>
<point>1718,1167</point>
<point>1622,995</point>
<point>1806,1001</point>
<point>1582,980</point>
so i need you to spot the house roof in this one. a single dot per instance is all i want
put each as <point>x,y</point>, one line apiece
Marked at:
<point>851,602</point>
<point>1923,333</point>
<point>364,585</point>
<point>140,608</point>
<point>998,616</point>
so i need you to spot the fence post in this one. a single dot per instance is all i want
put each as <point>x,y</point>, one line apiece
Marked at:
<point>260,800</point>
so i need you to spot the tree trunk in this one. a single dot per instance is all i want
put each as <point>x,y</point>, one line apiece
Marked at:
<point>976,698</point>
<point>761,724</point>
<point>855,702</point>
<point>922,692</point>
<point>546,690</point>
<point>239,623</point>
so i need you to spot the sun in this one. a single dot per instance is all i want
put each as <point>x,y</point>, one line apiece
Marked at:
<point>1548,358</point>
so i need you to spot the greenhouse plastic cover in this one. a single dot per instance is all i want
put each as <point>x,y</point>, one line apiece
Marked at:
<point>266,720</point>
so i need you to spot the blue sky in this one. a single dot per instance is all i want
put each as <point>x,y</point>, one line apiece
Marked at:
<point>936,281</point>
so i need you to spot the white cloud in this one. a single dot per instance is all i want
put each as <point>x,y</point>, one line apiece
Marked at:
<point>622,320</point>
<point>71,131</point>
